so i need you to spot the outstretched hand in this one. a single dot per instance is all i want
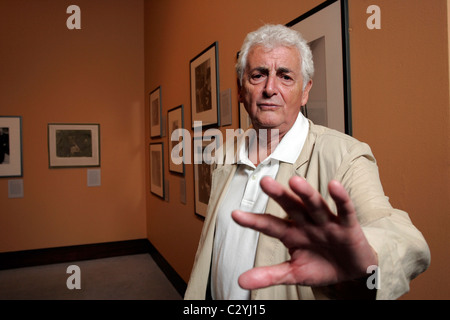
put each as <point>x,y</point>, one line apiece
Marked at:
<point>325,248</point>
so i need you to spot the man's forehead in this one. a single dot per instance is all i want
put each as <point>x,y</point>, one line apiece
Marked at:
<point>286,57</point>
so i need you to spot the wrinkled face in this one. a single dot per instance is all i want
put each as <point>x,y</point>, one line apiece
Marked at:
<point>272,87</point>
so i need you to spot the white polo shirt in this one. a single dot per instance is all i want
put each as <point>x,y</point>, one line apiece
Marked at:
<point>235,246</point>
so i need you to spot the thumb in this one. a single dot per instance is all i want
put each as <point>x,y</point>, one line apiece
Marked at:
<point>262,277</point>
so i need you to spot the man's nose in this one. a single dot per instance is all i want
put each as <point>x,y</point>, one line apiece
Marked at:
<point>270,88</point>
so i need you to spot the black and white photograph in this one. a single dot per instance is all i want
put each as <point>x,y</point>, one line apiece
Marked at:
<point>205,96</point>
<point>175,121</point>
<point>204,150</point>
<point>155,108</point>
<point>10,146</point>
<point>329,102</point>
<point>157,169</point>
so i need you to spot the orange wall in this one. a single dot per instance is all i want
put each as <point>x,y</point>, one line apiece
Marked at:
<point>400,101</point>
<point>94,75</point>
<point>400,92</point>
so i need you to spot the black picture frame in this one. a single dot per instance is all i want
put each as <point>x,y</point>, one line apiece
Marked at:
<point>73,145</point>
<point>175,120</point>
<point>327,24</point>
<point>155,112</point>
<point>11,147</point>
<point>205,88</point>
<point>156,154</point>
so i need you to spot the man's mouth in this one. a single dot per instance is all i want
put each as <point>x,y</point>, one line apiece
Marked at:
<point>268,106</point>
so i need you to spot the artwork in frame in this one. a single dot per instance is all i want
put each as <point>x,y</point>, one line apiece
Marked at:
<point>10,146</point>
<point>204,152</point>
<point>205,95</point>
<point>155,110</point>
<point>73,145</point>
<point>325,27</point>
<point>244,119</point>
<point>175,121</point>
<point>157,168</point>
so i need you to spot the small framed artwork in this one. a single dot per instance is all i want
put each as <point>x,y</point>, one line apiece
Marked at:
<point>10,146</point>
<point>155,113</point>
<point>157,169</point>
<point>204,147</point>
<point>175,121</point>
<point>244,119</point>
<point>205,96</point>
<point>73,145</point>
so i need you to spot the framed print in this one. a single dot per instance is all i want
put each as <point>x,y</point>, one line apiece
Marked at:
<point>157,169</point>
<point>244,119</point>
<point>204,73</point>
<point>73,145</point>
<point>10,146</point>
<point>325,27</point>
<point>226,117</point>
<point>155,113</point>
<point>204,151</point>
<point>175,120</point>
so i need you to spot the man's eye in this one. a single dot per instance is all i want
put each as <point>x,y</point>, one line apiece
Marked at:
<point>257,77</point>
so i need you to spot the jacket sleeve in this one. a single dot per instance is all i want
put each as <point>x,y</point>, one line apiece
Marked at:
<point>402,250</point>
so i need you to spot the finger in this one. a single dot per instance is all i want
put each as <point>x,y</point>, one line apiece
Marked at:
<point>345,208</point>
<point>262,277</point>
<point>290,202</point>
<point>315,205</point>
<point>265,223</point>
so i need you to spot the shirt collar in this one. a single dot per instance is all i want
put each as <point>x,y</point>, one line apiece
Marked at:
<point>289,148</point>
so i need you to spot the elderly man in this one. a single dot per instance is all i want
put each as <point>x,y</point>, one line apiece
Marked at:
<point>309,218</point>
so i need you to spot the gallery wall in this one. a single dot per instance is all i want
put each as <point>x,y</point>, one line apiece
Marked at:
<point>400,106</point>
<point>50,74</point>
<point>104,73</point>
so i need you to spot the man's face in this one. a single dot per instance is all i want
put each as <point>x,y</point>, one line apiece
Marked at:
<point>272,87</point>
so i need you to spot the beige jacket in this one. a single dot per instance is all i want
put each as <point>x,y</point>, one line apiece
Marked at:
<point>327,154</point>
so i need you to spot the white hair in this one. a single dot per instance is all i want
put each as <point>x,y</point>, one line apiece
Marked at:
<point>272,36</point>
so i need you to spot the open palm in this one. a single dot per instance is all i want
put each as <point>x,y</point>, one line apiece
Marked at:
<point>325,248</point>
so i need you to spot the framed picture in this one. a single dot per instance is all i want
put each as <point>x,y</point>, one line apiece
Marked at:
<point>155,110</point>
<point>11,146</point>
<point>157,168</point>
<point>204,73</point>
<point>175,120</point>
<point>73,145</point>
<point>325,27</point>
<point>203,146</point>
<point>244,119</point>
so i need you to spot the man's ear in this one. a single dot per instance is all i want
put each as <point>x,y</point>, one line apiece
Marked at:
<point>305,94</point>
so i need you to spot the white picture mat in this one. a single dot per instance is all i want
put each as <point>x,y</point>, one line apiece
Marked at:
<point>327,23</point>
<point>14,166</point>
<point>56,161</point>
<point>210,116</point>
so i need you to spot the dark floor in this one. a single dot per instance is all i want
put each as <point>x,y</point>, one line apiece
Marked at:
<point>133,277</point>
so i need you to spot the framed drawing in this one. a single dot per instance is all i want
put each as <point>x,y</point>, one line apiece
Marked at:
<point>157,169</point>
<point>73,145</point>
<point>204,148</point>
<point>155,109</point>
<point>244,119</point>
<point>325,27</point>
<point>11,146</point>
<point>175,120</point>
<point>204,73</point>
